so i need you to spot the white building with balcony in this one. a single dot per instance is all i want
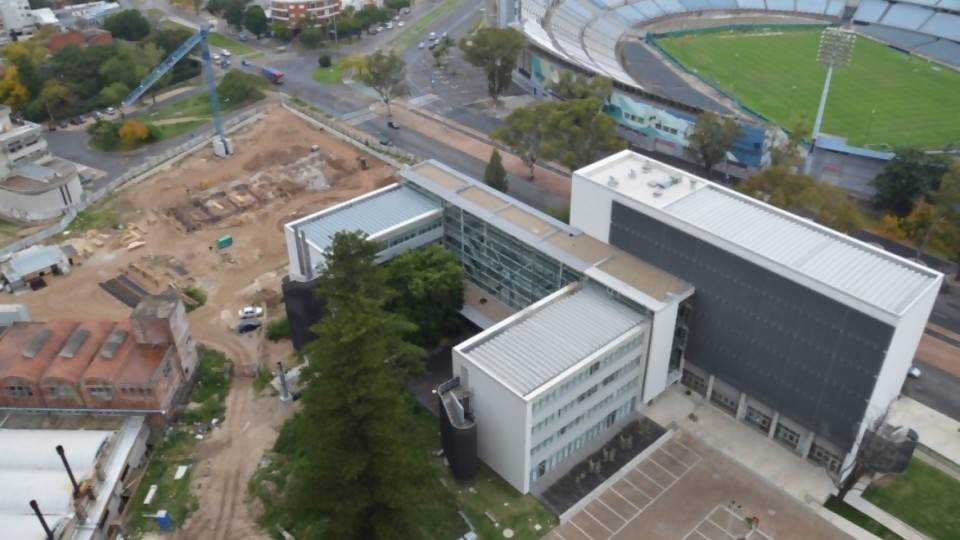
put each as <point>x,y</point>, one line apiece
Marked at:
<point>291,11</point>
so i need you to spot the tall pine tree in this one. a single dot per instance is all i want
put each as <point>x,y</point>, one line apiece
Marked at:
<point>362,480</point>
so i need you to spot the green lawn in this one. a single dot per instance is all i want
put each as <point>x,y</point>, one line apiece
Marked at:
<point>174,496</point>
<point>860,519</point>
<point>415,32</point>
<point>882,98</point>
<point>330,75</point>
<point>221,41</point>
<point>923,497</point>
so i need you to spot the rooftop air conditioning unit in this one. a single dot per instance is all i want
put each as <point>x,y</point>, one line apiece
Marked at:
<point>612,182</point>
<point>658,194</point>
<point>646,166</point>
<point>674,180</point>
<point>633,173</point>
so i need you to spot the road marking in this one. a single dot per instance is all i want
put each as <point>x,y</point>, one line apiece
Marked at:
<point>358,117</point>
<point>425,99</point>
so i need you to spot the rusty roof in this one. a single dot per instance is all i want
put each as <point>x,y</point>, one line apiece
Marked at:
<point>107,366</point>
<point>142,363</point>
<point>27,353</point>
<point>74,357</point>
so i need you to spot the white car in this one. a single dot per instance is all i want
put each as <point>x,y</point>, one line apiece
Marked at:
<point>914,372</point>
<point>250,312</point>
<point>226,53</point>
<point>215,56</point>
<point>421,45</point>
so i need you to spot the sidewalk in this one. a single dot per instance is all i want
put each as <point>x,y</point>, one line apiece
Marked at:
<point>453,135</point>
<point>937,431</point>
<point>855,500</point>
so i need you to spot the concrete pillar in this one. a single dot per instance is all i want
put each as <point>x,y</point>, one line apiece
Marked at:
<point>709,387</point>
<point>805,444</point>
<point>773,425</point>
<point>742,407</point>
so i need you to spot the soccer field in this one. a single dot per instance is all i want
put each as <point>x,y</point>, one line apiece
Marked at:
<point>882,98</point>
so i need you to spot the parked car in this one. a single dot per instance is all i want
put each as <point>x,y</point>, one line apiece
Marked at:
<point>78,120</point>
<point>52,126</point>
<point>250,312</point>
<point>393,125</point>
<point>386,141</point>
<point>248,326</point>
<point>421,45</point>
<point>226,53</point>
<point>215,56</point>
<point>400,24</point>
<point>63,124</point>
<point>110,111</point>
<point>17,120</point>
<point>914,372</point>
<point>432,36</point>
<point>244,61</point>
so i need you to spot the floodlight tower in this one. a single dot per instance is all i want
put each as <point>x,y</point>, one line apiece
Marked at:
<point>836,46</point>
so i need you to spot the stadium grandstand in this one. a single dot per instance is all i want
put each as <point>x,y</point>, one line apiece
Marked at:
<point>929,28</point>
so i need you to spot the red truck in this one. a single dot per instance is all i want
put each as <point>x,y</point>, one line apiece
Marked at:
<point>274,75</point>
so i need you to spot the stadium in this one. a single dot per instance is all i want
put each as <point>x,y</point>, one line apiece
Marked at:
<point>756,60</point>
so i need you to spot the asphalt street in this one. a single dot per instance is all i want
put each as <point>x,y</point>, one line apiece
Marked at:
<point>936,389</point>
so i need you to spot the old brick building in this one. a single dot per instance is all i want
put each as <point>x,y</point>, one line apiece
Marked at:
<point>140,364</point>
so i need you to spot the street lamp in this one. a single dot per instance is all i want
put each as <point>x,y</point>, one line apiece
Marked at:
<point>836,46</point>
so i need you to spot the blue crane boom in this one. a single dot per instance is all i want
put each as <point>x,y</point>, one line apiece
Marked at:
<point>167,64</point>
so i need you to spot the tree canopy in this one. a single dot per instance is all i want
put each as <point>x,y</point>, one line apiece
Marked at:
<point>255,20</point>
<point>386,74</point>
<point>909,177</point>
<point>240,87</point>
<point>495,51</point>
<point>570,85</point>
<point>427,290</point>
<point>129,25</point>
<point>578,131</point>
<point>524,132</point>
<point>825,203</point>
<point>362,479</point>
<point>712,137</point>
<point>495,175</point>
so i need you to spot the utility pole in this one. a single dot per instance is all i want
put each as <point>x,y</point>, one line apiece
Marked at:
<point>836,46</point>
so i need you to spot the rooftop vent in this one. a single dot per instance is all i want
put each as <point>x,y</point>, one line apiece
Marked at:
<point>646,166</point>
<point>612,182</point>
<point>114,341</point>
<point>658,194</point>
<point>693,183</point>
<point>77,338</point>
<point>37,343</point>
<point>633,173</point>
<point>664,184</point>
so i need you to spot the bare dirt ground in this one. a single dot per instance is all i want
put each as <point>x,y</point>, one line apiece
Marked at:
<point>266,154</point>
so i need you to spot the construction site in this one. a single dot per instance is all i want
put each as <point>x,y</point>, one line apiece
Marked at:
<point>172,234</point>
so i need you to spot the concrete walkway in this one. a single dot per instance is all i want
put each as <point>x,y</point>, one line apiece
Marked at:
<point>937,431</point>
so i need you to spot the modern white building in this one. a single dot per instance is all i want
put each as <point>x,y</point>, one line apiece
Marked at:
<point>16,19</point>
<point>34,184</point>
<point>100,460</point>
<point>804,333</point>
<point>799,331</point>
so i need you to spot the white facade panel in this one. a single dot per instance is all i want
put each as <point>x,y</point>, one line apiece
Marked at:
<point>590,207</point>
<point>661,345</point>
<point>45,205</point>
<point>502,433</point>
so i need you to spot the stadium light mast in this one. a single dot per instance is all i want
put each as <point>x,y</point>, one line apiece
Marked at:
<point>836,46</point>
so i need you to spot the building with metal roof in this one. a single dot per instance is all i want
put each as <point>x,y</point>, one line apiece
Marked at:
<point>800,331</point>
<point>86,506</point>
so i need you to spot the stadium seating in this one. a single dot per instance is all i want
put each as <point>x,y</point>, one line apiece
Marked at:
<point>943,25</point>
<point>906,16</point>
<point>871,11</point>
<point>944,51</point>
<point>918,25</point>
<point>903,39</point>
<point>752,4</point>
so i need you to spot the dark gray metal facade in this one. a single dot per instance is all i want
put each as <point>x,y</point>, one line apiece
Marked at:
<point>806,355</point>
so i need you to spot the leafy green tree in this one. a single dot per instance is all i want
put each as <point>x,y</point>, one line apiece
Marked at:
<point>570,85</point>
<point>495,175</point>
<point>255,20</point>
<point>57,98</point>
<point>113,94</point>
<point>396,5</point>
<point>560,213</point>
<point>363,479</point>
<point>427,287</point>
<point>312,37</point>
<point>911,175</point>
<point>577,132</point>
<point>495,51</point>
<point>712,138</point>
<point>281,32</point>
<point>325,61</point>
<point>386,74</point>
<point>800,194</point>
<point>129,25</point>
<point>524,132</point>
<point>787,153</point>
<point>240,87</point>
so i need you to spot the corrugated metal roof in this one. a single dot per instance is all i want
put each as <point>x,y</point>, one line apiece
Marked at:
<point>849,267</point>
<point>533,350</point>
<point>370,215</point>
<point>33,259</point>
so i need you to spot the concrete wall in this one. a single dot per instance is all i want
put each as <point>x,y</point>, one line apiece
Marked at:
<point>502,439</point>
<point>590,207</point>
<point>661,347</point>
<point>23,206</point>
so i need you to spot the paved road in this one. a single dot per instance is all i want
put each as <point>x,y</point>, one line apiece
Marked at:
<point>936,389</point>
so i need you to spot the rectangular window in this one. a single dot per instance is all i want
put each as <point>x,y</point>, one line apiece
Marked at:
<point>100,392</point>
<point>19,391</point>
<point>60,391</point>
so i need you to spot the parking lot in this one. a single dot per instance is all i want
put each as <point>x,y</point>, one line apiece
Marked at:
<point>687,490</point>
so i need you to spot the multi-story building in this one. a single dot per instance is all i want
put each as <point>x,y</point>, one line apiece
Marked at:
<point>795,329</point>
<point>34,184</point>
<point>291,11</point>
<point>141,364</point>
<point>804,333</point>
<point>16,19</point>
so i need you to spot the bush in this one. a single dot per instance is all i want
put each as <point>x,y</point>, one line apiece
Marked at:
<point>196,295</point>
<point>211,390</point>
<point>278,329</point>
<point>238,87</point>
<point>325,61</point>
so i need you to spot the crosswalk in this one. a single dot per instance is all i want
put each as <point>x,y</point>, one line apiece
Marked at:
<point>356,118</point>
<point>424,100</point>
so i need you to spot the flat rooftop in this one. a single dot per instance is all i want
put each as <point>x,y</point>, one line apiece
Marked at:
<point>548,235</point>
<point>795,245</point>
<point>39,178</point>
<point>372,213</point>
<point>550,337</point>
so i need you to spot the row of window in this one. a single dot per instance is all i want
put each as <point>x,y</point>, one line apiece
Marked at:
<point>615,354</point>
<point>658,126</point>
<point>410,235</point>
<point>66,392</point>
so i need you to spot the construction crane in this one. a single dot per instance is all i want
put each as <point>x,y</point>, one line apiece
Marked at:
<point>222,147</point>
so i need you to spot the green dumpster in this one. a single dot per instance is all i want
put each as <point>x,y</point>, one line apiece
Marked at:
<point>224,241</point>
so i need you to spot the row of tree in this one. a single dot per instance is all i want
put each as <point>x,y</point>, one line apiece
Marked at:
<point>353,468</point>
<point>75,80</point>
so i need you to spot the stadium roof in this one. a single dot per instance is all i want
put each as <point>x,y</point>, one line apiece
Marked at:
<point>551,336</point>
<point>799,247</point>
<point>373,213</point>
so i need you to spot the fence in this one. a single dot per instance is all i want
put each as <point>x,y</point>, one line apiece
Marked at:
<point>394,157</point>
<point>133,176</point>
